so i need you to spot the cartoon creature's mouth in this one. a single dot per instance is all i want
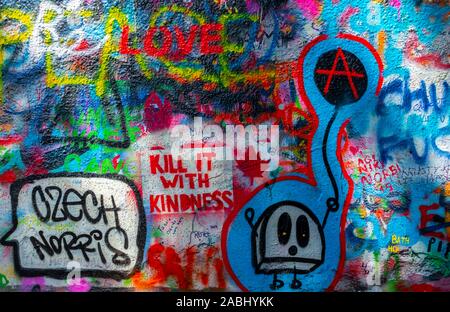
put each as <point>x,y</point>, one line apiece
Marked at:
<point>292,250</point>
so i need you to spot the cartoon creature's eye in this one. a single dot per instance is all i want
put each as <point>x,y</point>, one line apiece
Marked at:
<point>284,228</point>
<point>302,231</point>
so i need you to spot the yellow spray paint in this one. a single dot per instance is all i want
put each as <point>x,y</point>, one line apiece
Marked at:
<point>14,38</point>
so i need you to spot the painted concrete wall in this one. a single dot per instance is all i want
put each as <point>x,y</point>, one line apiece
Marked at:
<point>124,164</point>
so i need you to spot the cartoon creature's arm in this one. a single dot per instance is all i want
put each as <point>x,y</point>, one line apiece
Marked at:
<point>249,215</point>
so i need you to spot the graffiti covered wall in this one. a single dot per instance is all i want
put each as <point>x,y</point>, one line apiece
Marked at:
<point>292,145</point>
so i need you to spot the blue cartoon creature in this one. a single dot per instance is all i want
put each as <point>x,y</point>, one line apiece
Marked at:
<point>289,236</point>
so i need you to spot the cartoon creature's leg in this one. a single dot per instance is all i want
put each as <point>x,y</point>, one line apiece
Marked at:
<point>276,284</point>
<point>296,284</point>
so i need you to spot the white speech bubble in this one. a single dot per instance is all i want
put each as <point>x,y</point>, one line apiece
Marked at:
<point>96,220</point>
